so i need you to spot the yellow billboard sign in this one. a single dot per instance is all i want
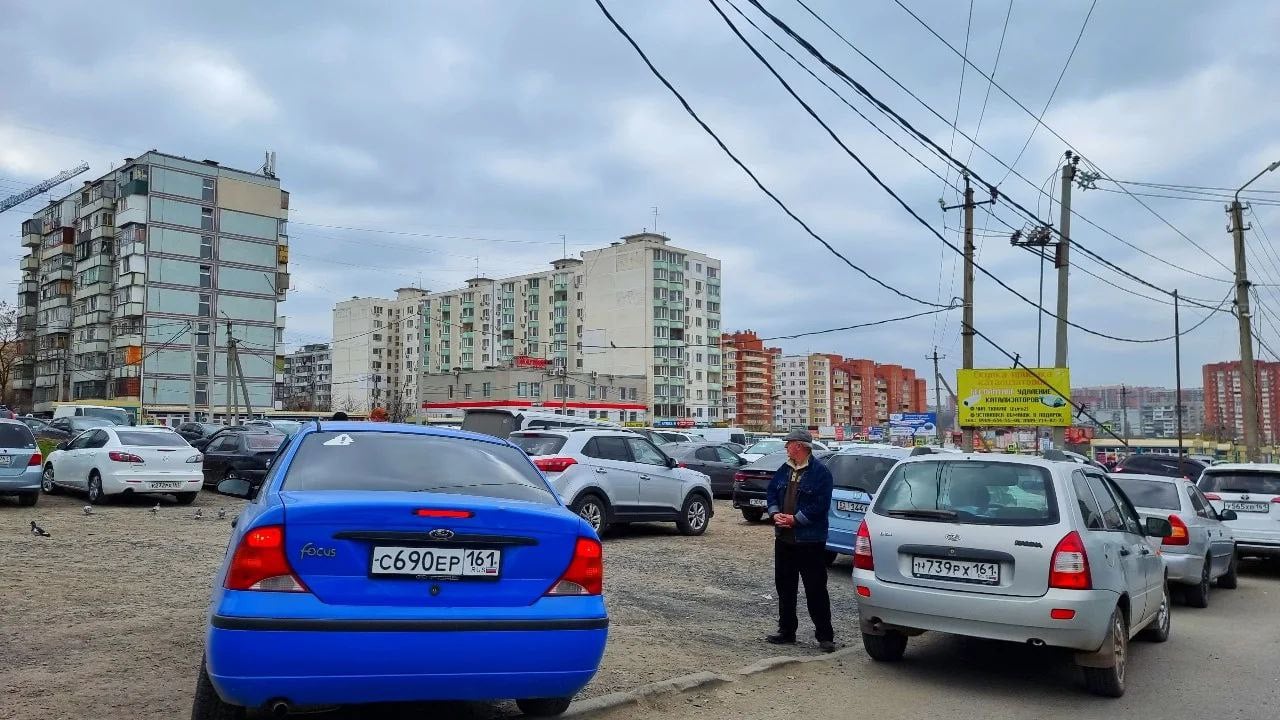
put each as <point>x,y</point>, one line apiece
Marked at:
<point>1014,397</point>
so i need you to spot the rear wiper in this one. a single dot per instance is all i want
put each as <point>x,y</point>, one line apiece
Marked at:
<point>1243,491</point>
<point>925,514</point>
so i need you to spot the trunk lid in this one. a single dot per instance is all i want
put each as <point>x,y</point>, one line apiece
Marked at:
<point>1254,495</point>
<point>17,445</point>
<point>331,537</point>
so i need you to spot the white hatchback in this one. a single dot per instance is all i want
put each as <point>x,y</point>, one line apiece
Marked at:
<point>115,460</point>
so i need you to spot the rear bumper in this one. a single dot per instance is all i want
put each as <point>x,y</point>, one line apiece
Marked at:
<point>115,484</point>
<point>742,498</point>
<point>27,482</point>
<point>840,538</point>
<point>325,662</point>
<point>994,617</point>
<point>1183,569</point>
<point>1255,547</point>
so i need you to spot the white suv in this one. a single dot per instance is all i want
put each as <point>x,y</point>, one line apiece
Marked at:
<point>1252,490</point>
<point>616,476</point>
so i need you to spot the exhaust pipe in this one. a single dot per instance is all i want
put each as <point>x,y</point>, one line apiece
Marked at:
<point>278,708</point>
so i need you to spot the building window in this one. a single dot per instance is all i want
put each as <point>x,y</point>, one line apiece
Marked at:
<point>486,389</point>
<point>206,276</point>
<point>466,390</point>
<point>202,363</point>
<point>204,308</point>
<point>207,191</point>
<point>206,247</point>
<point>202,393</point>
<point>202,334</point>
<point>535,390</point>
<point>522,389</point>
<point>206,218</point>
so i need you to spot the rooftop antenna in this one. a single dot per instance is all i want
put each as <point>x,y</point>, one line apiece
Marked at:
<point>655,218</point>
<point>564,247</point>
<point>269,163</point>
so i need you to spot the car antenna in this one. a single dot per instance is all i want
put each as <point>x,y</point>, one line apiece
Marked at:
<point>318,428</point>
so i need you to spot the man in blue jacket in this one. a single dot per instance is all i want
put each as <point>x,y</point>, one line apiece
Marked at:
<point>799,498</point>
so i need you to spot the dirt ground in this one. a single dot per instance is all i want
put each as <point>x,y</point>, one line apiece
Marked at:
<point>105,618</point>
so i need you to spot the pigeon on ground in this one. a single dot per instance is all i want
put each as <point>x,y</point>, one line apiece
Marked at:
<point>155,509</point>
<point>88,509</point>
<point>222,513</point>
<point>198,514</point>
<point>38,531</point>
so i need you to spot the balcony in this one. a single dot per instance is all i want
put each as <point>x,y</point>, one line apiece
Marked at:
<point>28,286</point>
<point>46,381</point>
<point>30,263</point>
<point>96,345</point>
<point>124,310</point>
<point>22,383</point>
<point>98,288</point>
<point>133,187</point>
<point>93,260</point>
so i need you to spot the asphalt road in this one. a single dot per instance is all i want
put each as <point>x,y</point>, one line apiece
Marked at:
<point>1222,662</point>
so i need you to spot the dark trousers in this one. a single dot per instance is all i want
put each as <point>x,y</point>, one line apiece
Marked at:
<point>793,562</point>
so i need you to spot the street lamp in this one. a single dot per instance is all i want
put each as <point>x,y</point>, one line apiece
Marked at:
<point>1248,376</point>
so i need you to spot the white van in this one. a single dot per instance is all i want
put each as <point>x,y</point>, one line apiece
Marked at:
<point>719,435</point>
<point>117,415</point>
<point>501,422</point>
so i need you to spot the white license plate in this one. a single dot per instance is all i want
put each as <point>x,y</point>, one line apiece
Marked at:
<point>1248,507</point>
<point>758,502</point>
<point>6,460</point>
<point>164,485</point>
<point>984,573</point>
<point>849,506</point>
<point>435,562</point>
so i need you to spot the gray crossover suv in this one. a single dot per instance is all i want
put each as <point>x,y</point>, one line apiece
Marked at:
<point>1011,548</point>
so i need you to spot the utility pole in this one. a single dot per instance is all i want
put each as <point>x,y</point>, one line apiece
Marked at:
<point>937,389</point>
<point>1248,376</point>
<point>244,390</point>
<point>1177,374</point>
<point>1062,263</point>
<point>1124,411</point>
<point>191,409</point>
<point>232,411</point>
<point>966,330</point>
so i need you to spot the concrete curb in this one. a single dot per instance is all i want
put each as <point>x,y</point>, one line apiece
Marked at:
<point>695,681</point>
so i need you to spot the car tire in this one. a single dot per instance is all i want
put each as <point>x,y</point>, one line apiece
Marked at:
<point>46,481</point>
<point>888,647</point>
<point>97,496</point>
<point>695,515</point>
<point>831,557</point>
<point>1158,630</point>
<point>543,707</point>
<point>1231,579</point>
<point>1197,596</point>
<point>208,705</point>
<point>28,499</point>
<point>751,515</point>
<point>590,507</point>
<point>186,498</point>
<point>1109,681</point>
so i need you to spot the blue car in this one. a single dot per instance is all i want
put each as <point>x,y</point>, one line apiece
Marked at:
<point>20,463</point>
<point>857,472</point>
<point>396,563</point>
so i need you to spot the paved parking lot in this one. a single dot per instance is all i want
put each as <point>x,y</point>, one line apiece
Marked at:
<point>104,619</point>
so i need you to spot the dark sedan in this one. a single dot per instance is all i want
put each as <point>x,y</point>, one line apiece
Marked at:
<point>193,431</point>
<point>716,461</point>
<point>77,424</point>
<point>1160,464</point>
<point>243,455</point>
<point>44,430</point>
<point>751,483</point>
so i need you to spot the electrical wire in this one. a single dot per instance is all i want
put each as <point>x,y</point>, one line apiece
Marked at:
<point>968,30</point>
<point>994,66</point>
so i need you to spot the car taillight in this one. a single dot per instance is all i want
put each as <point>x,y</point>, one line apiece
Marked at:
<point>443,513</point>
<point>739,477</point>
<point>554,463</point>
<point>36,460</point>
<point>124,457</point>
<point>680,464</point>
<point>862,559</point>
<point>1069,567</point>
<point>1213,496</point>
<point>260,563</point>
<point>585,575</point>
<point>1179,535</point>
<point>196,458</point>
<point>1276,500</point>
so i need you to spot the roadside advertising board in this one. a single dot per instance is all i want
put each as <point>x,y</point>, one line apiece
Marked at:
<point>1014,397</point>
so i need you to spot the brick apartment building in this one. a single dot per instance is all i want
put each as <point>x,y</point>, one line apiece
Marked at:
<point>864,392</point>
<point>1223,412</point>
<point>748,380</point>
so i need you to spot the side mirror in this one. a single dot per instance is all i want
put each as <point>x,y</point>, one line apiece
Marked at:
<point>1158,527</point>
<point>671,462</point>
<point>237,487</point>
<point>1228,515</point>
<point>743,461</point>
<point>200,444</point>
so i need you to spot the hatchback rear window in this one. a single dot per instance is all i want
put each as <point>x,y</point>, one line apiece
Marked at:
<point>859,472</point>
<point>541,444</point>
<point>1149,493</point>
<point>259,443</point>
<point>408,462</point>
<point>969,492</point>
<point>1241,481</point>
<point>150,439</point>
<point>16,436</point>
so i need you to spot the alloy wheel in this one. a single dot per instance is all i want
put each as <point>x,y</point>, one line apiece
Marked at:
<point>697,514</point>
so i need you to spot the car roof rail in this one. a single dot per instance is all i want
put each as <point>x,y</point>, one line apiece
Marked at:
<point>922,450</point>
<point>1056,455</point>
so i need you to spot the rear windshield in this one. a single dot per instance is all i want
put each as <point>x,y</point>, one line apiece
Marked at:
<point>408,462</point>
<point>539,444</point>
<point>498,423</point>
<point>764,447</point>
<point>119,417</point>
<point>17,437</point>
<point>267,441</point>
<point>1149,493</point>
<point>971,492</point>
<point>1241,481</point>
<point>738,438</point>
<point>770,462</point>
<point>150,439</point>
<point>859,472</point>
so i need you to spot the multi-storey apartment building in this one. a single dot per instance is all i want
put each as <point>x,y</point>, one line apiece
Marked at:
<point>864,392</point>
<point>637,308</point>
<point>134,282</point>
<point>306,382</point>
<point>377,353</point>
<point>1223,411</point>
<point>802,389</point>
<point>749,369</point>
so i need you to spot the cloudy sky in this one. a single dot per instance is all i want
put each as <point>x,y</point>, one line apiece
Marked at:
<point>421,141</point>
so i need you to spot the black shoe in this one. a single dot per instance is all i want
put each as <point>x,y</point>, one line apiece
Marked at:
<point>827,646</point>
<point>780,639</point>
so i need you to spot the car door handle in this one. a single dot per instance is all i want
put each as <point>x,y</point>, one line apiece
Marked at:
<point>601,471</point>
<point>645,477</point>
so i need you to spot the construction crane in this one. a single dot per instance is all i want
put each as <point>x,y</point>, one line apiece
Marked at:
<point>56,180</point>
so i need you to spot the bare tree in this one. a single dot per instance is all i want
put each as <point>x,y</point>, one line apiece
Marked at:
<point>11,347</point>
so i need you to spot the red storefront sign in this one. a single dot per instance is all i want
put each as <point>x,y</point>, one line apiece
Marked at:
<point>684,423</point>
<point>1079,435</point>
<point>525,361</point>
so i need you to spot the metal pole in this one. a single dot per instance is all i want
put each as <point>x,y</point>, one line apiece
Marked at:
<point>1248,376</point>
<point>966,332</point>
<point>244,390</point>
<point>1064,269</point>
<point>1124,411</point>
<point>191,408</point>
<point>937,393</point>
<point>231,386</point>
<point>1177,374</point>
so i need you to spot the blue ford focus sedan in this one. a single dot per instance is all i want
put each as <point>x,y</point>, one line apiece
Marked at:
<point>396,563</point>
